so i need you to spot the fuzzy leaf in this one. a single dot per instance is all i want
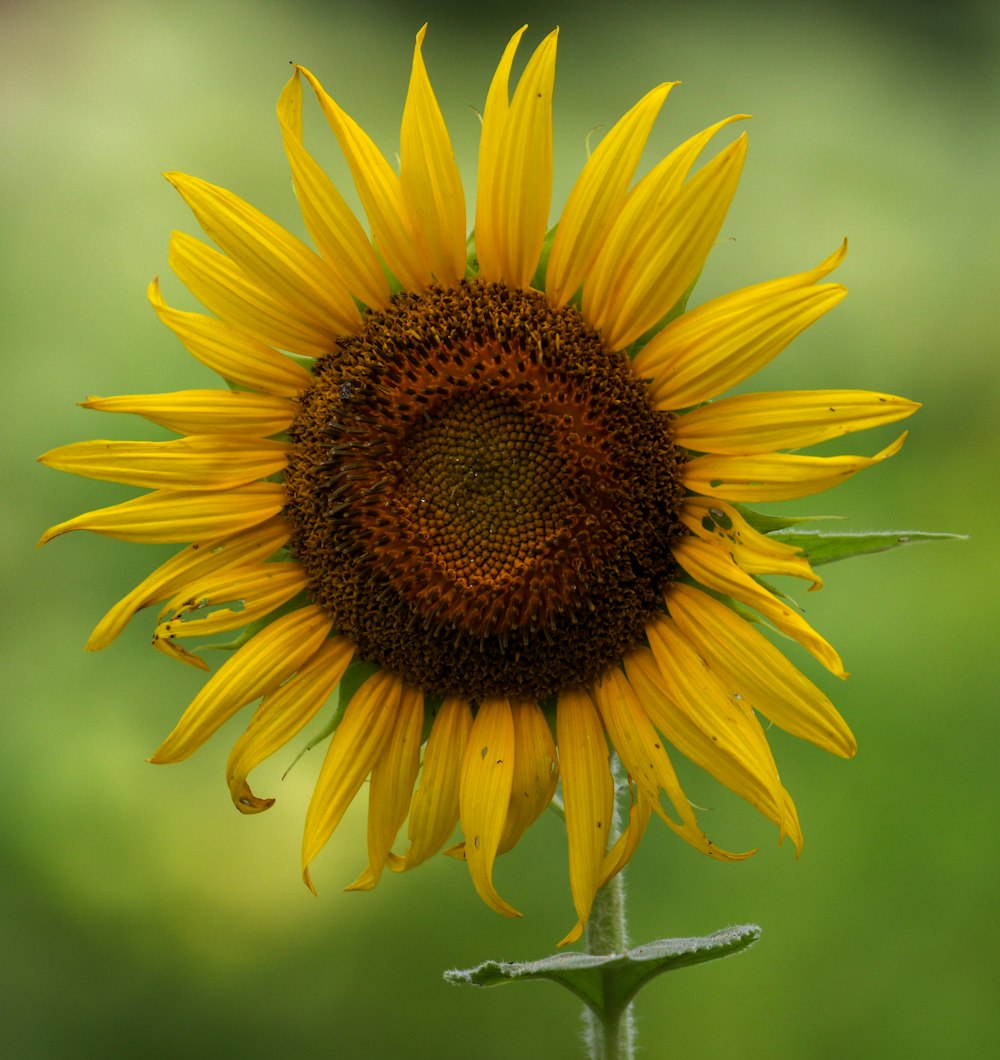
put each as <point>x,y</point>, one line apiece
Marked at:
<point>609,983</point>
<point>821,546</point>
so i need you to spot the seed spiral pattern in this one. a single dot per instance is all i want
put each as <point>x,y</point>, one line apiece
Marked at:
<point>483,497</point>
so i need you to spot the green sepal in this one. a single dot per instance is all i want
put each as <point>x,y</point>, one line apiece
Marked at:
<point>471,257</point>
<point>394,282</point>
<point>432,704</point>
<point>538,280</point>
<point>820,547</point>
<point>607,984</point>
<point>308,363</point>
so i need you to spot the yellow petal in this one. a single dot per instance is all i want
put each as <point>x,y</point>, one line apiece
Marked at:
<point>535,771</point>
<point>354,749</point>
<point>283,713</point>
<point>627,843</point>
<point>776,476</point>
<point>180,515</point>
<point>235,354</point>
<point>266,660</point>
<point>597,197</point>
<point>588,798</point>
<point>435,808</point>
<point>175,650</point>
<point>229,600</point>
<point>705,723</point>
<point>196,561</point>
<point>487,777</point>
<point>722,525</point>
<point>521,184</point>
<point>272,257</point>
<point>785,419</point>
<point>430,180</point>
<point>224,289</point>
<point>641,751</point>
<point>658,244</point>
<point>205,411</point>
<point>391,788</point>
<point>335,230</point>
<point>198,462</point>
<point>707,350</point>
<point>381,195</point>
<point>495,117</point>
<point>714,569</point>
<point>753,668</point>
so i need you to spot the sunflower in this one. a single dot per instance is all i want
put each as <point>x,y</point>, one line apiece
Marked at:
<point>488,497</point>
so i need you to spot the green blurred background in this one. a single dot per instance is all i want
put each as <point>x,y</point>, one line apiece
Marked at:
<point>141,914</point>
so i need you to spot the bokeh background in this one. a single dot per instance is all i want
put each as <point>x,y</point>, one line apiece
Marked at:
<point>140,914</point>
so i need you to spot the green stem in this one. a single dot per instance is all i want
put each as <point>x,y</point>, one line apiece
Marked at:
<point>611,1035</point>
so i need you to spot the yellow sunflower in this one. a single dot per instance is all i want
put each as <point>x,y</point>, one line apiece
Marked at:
<point>489,497</point>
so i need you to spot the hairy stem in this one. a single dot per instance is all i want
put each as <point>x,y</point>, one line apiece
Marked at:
<point>610,1036</point>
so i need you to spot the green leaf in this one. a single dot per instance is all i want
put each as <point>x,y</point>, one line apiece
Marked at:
<point>766,524</point>
<point>822,547</point>
<point>609,983</point>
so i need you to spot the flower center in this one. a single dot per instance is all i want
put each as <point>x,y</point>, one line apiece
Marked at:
<point>482,496</point>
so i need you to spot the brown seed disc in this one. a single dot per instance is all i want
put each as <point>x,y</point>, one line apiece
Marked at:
<point>483,498</point>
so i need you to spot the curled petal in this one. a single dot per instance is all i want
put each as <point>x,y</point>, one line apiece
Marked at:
<point>627,843</point>
<point>283,713</point>
<point>706,724</point>
<point>391,788</point>
<point>716,570</point>
<point>536,771</point>
<point>487,778</point>
<point>776,476</point>
<point>752,668</point>
<point>588,798</point>
<point>196,561</point>
<point>229,600</point>
<point>642,753</point>
<point>435,808</point>
<point>355,747</point>
<point>722,525</point>
<point>266,660</point>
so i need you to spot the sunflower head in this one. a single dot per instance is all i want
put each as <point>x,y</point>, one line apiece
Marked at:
<point>497,501</point>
